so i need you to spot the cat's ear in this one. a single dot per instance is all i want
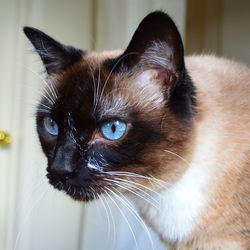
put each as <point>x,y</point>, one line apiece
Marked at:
<point>156,44</point>
<point>56,57</point>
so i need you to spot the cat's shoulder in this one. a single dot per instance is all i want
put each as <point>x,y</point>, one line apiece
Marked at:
<point>220,82</point>
<point>212,62</point>
<point>217,71</point>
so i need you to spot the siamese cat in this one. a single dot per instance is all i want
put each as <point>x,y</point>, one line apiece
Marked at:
<point>149,121</point>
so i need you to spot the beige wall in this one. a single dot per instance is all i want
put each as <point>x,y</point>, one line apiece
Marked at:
<point>203,26</point>
<point>235,30</point>
<point>118,19</point>
<point>219,26</point>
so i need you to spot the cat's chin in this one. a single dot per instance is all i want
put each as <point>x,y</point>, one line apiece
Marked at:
<point>79,193</point>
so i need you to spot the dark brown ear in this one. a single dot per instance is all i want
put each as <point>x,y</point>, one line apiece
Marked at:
<point>56,57</point>
<point>156,44</point>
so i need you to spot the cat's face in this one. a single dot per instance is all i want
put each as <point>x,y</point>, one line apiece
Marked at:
<point>111,119</point>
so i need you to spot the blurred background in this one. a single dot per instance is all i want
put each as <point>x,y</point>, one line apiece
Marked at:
<point>33,216</point>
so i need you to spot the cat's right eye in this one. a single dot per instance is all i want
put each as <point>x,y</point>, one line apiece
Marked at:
<point>113,129</point>
<point>50,126</point>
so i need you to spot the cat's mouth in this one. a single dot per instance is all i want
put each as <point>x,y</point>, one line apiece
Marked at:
<point>80,192</point>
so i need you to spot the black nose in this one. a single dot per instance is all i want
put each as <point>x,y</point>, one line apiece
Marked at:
<point>62,166</point>
<point>61,171</point>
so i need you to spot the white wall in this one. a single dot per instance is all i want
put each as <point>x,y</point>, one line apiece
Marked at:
<point>32,215</point>
<point>38,222</point>
<point>118,19</point>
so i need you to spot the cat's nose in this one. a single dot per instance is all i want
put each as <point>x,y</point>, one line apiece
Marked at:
<point>62,166</point>
<point>61,170</point>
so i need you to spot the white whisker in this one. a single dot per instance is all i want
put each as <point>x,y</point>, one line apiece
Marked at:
<point>52,95</point>
<point>45,106</point>
<point>138,184</point>
<point>135,215</point>
<point>135,175</point>
<point>41,93</point>
<point>25,220</point>
<point>41,183</point>
<point>113,222</point>
<point>130,189</point>
<point>112,70</point>
<point>94,82</point>
<point>180,157</point>
<point>107,215</point>
<point>98,86</point>
<point>123,215</point>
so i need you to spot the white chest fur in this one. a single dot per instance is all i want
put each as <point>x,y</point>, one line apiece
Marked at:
<point>182,204</point>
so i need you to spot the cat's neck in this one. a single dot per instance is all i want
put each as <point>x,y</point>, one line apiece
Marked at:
<point>181,205</point>
<point>201,196</point>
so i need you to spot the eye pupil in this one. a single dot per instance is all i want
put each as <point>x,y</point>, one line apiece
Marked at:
<point>52,124</point>
<point>113,128</point>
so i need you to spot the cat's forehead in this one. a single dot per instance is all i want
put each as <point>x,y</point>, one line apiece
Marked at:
<point>95,86</point>
<point>140,91</point>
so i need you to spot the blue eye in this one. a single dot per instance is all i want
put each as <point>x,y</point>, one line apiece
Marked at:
<point>113,130</point>
<point>51,126</point>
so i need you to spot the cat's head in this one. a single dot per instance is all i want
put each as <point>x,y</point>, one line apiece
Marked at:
<point>115,120</point>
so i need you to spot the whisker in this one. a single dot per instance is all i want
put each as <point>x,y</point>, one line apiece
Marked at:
<point>180,157</point>
<point>135,175</point>
<point>127,204</point>
<point>110,73</point>
<point>96,201</point>
<point>130,189</point>
<point>159,182</point>
<point>133,186</point>
<point>113,221</point>
<point>107,215</point>
<point>43,111</point>
<point>45,106</point>
<point>41,183</point>
<point>50,86</point>
<point>27,217</point>
<point>94,81</point>
<point>123,215</point>
<point>41,93</point>
<point>51,95</point>
<point>138,184</point>
<point>98,86</point>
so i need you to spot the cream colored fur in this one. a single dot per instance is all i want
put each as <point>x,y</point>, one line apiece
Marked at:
<point>202,209</point>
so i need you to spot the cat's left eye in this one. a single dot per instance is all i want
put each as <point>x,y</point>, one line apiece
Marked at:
<point>113,129</point>
<point>50,126</point>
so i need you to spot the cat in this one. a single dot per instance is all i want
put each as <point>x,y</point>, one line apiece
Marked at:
<point>149,121</point>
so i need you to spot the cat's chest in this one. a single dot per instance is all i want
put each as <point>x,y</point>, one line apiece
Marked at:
<point>182,206</point>
<point>178,209</point>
